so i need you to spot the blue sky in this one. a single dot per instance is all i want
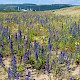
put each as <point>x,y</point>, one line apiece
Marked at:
<point>41,1</point>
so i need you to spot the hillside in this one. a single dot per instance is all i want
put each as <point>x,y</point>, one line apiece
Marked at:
<point>73,11</point>
<point>36,7</point>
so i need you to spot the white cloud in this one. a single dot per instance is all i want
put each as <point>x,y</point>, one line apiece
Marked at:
<point>66,1</point>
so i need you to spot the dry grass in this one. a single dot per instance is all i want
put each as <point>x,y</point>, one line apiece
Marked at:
<point>73,11</point>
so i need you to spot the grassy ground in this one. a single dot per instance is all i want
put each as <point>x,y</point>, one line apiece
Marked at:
<point>72,11</point>
<point>61,26</point>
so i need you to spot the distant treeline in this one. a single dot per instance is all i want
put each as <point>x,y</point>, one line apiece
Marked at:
<point>9,11</point>
<point>33,7</point>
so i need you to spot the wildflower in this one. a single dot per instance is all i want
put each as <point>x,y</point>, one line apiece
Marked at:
<point>13,65</point>
<point>26,57</point>
<point>49,47</point>
<point>61,56</point>
<point>5,33</point>
<point>36,45</point>
<point>9,74</point>
<point>73,34</point>
<point>49,40</point>
<point>14,60</point>
<point>29,73</point>
<point>68,67</point>
<point>77,46</point>
<point>71,78</point>
<point>36,49</point>
<point>70,30</point>
<point>57,47</point>
<point>17,76</point>
<point>18,46</point>
<point>62,53</point>
<point>71,55</point>
<point>47,64</point>
<point>2,45</point>
<point>1,58</point>
<point>67,60</point>
<point>26,45</point>
<point>1,28</point>
<point>54,63</point>
<point>15,36</point>
<point>11,45</point>
<point>27,78</point>
<point>36,55</point>
<point>79,29</point>
<point>7,19</point>
<point>20,35</point>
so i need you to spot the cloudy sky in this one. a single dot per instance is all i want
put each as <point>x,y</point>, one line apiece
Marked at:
<point>77,2</point>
